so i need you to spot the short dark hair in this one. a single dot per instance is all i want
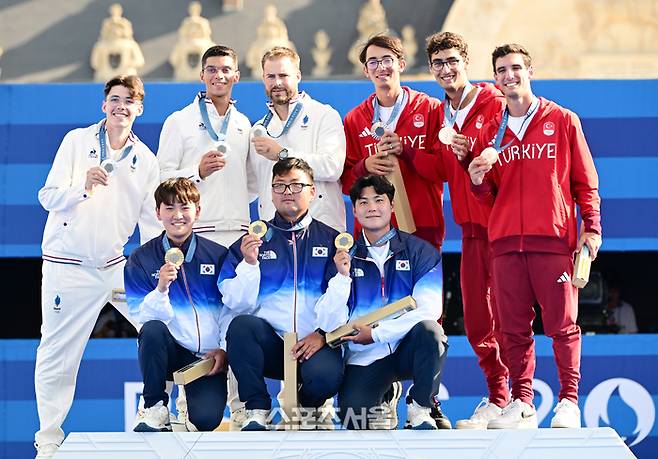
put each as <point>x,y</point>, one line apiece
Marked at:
<point>378,182</point>
<point>510,48</point>
<point>177,189</point>
<point>221,51</point>
<point>446,40</point>
<point>284,166</point>
<point>133,83</point>
<point>383,41</point>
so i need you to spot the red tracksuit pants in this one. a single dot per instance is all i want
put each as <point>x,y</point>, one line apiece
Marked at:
<point>480,317</point>
<point>521,279</point>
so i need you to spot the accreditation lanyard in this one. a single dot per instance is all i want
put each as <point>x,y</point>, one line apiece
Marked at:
<point>101,140</point>
<point>503,125</point>
<point>190,250</point>
<point>289,122</point>
<point>206,119</point>
<point>449,120</point>
<point>378,243</point>
<point>399,102</point>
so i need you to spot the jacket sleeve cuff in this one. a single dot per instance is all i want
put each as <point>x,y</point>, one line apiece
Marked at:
<point>359,169</point>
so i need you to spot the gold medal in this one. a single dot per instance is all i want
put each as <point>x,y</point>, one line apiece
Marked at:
<point>175,257</point>
<point>257,228</point>
<point>447,135</point>
<point>490,154</point>
<point>344,241</point>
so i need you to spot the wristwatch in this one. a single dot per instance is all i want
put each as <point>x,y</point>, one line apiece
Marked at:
<point>283,154</point>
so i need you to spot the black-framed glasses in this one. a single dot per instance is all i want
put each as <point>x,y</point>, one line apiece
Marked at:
<point>437,64</point>
<point>295,187</point>
<point>386,61</point>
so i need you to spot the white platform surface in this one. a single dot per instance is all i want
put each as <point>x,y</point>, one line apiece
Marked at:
<point>599,443</point>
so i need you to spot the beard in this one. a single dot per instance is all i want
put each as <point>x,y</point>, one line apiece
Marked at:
<point>280,97</point>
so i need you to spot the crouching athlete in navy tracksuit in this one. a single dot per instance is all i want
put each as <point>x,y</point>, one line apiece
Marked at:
<point>180,311</point>
<point>388,265</point>
<point>274,283</point>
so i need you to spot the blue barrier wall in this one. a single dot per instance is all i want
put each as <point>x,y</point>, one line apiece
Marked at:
<point>620,119</point>
<point>618,388</point>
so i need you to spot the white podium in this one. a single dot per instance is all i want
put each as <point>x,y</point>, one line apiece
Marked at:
<point>599,443</point>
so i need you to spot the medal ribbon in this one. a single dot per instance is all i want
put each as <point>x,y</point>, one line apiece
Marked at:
<point>291,119</point>
<point>449,120</point>
<point>101,139</point>
<point>378,243</point>
<point>503,125</point>
<point>394,114</point>
<point>206,119</point>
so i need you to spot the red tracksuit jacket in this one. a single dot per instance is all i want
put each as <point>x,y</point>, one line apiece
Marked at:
<point>418,127</point>
<point>535,185</point>
<point>472,216</point>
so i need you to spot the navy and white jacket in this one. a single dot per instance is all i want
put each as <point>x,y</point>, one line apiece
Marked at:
<point>192,309</point>
<point>413,267</point>
<point>290,276</point>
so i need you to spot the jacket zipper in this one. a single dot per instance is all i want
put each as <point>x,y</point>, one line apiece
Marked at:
<point>196,314</point>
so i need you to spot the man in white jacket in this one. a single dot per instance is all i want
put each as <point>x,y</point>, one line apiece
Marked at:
<point>297,126</point>
<point>208,142</point>
<point>99,187</point>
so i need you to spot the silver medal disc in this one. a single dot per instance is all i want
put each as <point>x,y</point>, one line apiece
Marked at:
<point>109,166</point>
<point>222,147</point>
<point>490,154</point>
<point>377,130</point>
<point>259,131</point>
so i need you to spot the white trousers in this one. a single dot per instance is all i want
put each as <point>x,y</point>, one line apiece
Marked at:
<point>71,300</point>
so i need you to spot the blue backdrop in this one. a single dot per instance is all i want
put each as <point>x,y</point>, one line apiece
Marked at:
<point>618,388</point>
<point>620,119</point>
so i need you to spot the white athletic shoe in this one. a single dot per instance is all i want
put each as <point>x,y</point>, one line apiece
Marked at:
<point>567,415</point>
<point>419,417</point>
<point>153,419</point>
<point>386,416</point>
<point>516,415</point>
<point>46,451</point>
<point>238,418</point>
<point>484,412</point>
<point>255,420</point>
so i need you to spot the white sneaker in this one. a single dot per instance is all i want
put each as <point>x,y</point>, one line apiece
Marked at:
<point>419,417</point>
<point>46,451</point>
<point>386,415</point>
<point>153,419</point>
<point>484,412</point>
<point>238,418</point>
<point>255,420</point>
<point>516,415</point>
<point>567,415</point>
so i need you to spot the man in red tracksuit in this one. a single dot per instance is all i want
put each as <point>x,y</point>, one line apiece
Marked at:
<point>410,122</point>
<point>469,107</point>
<point>544,169</point>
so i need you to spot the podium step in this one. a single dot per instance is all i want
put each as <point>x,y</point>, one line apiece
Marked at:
<point>599,443</point>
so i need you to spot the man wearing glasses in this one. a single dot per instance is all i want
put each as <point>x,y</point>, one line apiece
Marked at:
<point>466,109</point>
<point>397,127</point>
<point>298,126</point>
<point>272,284</point>
<point>208,142</point>
<point>100,186</point>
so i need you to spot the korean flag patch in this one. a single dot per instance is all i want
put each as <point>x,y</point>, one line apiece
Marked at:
<point>402,265</point>
<point>207,269</point>
<point>322,252</point>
